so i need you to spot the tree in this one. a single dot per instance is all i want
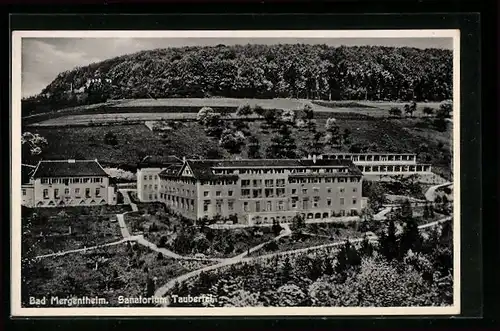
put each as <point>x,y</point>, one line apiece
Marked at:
<point>375,193</point>
<point>276,228</point>
<point>110,139</point>
<point>445,109</point>
<point>445,205</point>
<point>214,154</point>
<point>347,257</point>
<point>257,109</point>
<point>388,242</point>
<point>315,144</point>
<point>410,238</point>
<point>282,145</point>
<point>207,116</point>
<point>232,141</point>
<point>366,247</point>
<point>428,111</point>
<point>406,210</point>
<point>253,148</point>
<point>150,287</point>
<point>244,110</point>
<point>411,108</point>
<point>298,223</point>
<point>270,115</point>
<point>285,271</point>
<point>34,142</point>
<point>443,113</point>
<point>308,111</point>
<point>426,213</point>
<point>288,116</point>
<point>395,111</point>
<point>260,71</point>
<point>334,137</point>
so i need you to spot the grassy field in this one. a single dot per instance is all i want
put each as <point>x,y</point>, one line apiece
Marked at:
<point>134,143</point>
<point>408,135</point>
<point>374,108</point>
<point>212,102</point>
<point>186,108</point>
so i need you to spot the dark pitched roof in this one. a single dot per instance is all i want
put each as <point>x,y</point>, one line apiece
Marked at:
<point>68,168</point>
<point>377,153</point>
<point>26,172</point>
<point>171,170</point>
<point>202,169</point>
<point>350,173</point>
<point>266,163</point>
<point>158,162</point>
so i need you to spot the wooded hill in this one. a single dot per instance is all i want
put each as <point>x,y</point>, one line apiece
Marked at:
<point>270,71</point>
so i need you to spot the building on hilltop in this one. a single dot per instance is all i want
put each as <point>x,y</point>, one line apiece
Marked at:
<point>383,163</point>
<point>58,183</point>
<point>258,190</point>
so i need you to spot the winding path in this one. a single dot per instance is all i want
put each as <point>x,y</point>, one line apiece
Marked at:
<point>430,195</point>
<point>163,290</point>
<point>85,249</point>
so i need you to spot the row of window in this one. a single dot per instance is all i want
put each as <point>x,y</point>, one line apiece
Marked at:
<point>218,182</point>
<point>150,186</point>
<point>67,192</point>
<point>267,182</point>
<point>150,177</point>
<point>254,193</point>
<point>178,202</point>
<point>218,205</point>
<point>67,181</point>
<point>176,190</point>
<point>267,206</point>
<point>371,157</point>
<point>316,199</point>
<point>218,193</point>
<point>323,180</point>
<point>259,193</point>
<point>278,171</point>
<point>394,168</point>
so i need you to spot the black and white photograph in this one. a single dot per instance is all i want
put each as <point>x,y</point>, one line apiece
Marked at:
<point>236,172</point>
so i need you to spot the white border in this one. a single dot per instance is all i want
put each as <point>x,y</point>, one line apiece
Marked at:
<point>18,311</point>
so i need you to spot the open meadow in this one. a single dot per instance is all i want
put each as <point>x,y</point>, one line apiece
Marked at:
<point>186,108</point>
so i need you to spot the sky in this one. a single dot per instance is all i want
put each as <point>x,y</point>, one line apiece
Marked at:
<point>44,58</point>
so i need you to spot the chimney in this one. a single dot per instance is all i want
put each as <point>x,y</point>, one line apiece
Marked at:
<point>183,159</point>
<point>314,158</point>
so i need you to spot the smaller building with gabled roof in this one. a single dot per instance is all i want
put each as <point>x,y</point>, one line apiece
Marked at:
<point>60,183</point>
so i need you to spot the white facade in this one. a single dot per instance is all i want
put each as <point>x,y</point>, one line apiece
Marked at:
<point>148,183</point>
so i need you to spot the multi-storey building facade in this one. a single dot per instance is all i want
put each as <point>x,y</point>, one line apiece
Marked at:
<point>148,180</point>
<point>258,191</point>
<point>58,183</point>
<point>383,163</point>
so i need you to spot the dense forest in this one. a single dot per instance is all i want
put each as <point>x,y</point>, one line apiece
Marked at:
<point>264,71</point>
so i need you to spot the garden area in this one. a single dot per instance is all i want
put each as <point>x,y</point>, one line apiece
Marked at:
<point>314,234</point>
<point>51,230</point>
<point>180,235</point>
<point>127,269</point>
